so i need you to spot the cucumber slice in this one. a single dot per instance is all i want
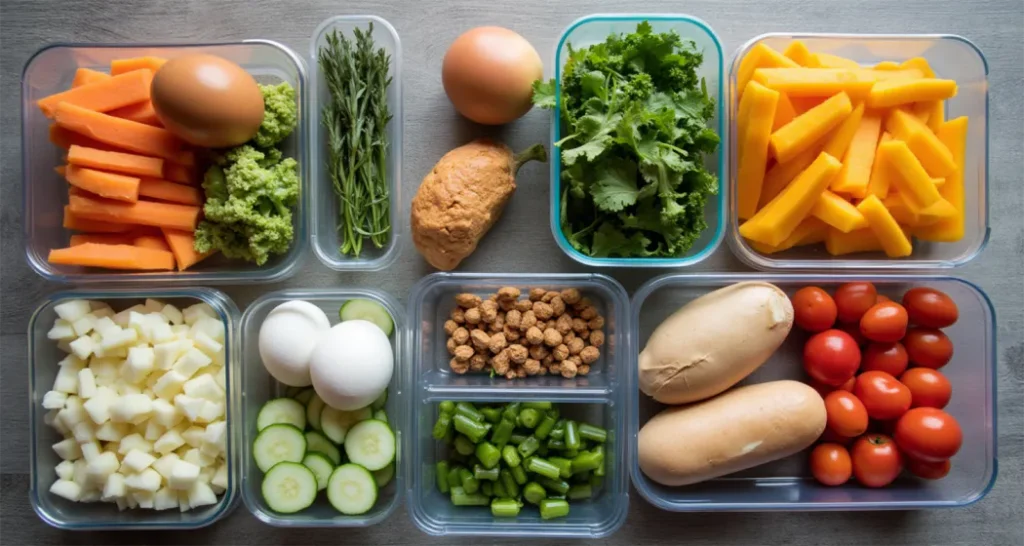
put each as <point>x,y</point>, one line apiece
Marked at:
<point>370,444</point>
<point>305,395</point>
<point>351,490</point>
<point>335,423</point>
<point>313,409</point>
<point>380,401</point>
<point>289,487</point>
<point>278,443</point>
<point>381,415</point>
<point>281,410</point>
<point>383,476</point>
<point>364,309</point>
<point>321,467</point>
<point>316,441</point>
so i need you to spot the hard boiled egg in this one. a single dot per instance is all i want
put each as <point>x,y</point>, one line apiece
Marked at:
<point>287,339</point>
<point>352,365</point>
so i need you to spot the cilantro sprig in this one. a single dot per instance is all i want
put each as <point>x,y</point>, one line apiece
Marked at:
<point>635,117</point>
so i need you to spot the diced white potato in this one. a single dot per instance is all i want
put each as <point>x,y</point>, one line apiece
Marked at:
<point>168,442</point>
<point>218,359</point>
<point>145,499</point>
<point>180,331</point>
<point>52,418</point>
<point>153,431</point>
<point>222,378</point>
<point>183,475</point>
<point>66,489</point>
<point>124,388</point>
<point>98,407</point>
<point>65,470</point>
<point>165,499</point>
<point>81,473</point>
<point>204,386</point>
<point>106,370</point>
<point>131,408</point>
<point>168,353</point>
<point>215,438</point>
<point>206,474</point>
<point>66,380</point>
<point>86,384</point>
<point>134,441</point>
<point>72,361</point>
<point>193,313</point>
<point>83,347</point>
<point>160,332</point>
<point>165,414</point>
<point>153,306</point>
<point>147,480</point>
<point>136,461</point>
<point>194,436</point>
<point>116,340</point>
<point>165,464</point>
<point>207,344</point>
<point>54,400</point>
<point>68,449</point>
<point>212,327</point>
<point>61,330</point>
<point>90,450</point>
<point>189,405</point>
<point>90,495</point>
<point>121,318</point>
<point>211,411</point>
<point>190,362</point>
<point>73,412</point>
<point>111,432</point>
<point>173,314</point>
<point>140,323</point>
<point>72,310</point>
<point>200,494</point>
<point>102,466</point>
<point>106,326</point>
<point>114,488</point>
<point>193,456</point>
<point>64,345</point>
<point>84,432</point>
<point>139,364</point>
<point>102,310</point>
<point>220,478</point>
<point>84,324</point>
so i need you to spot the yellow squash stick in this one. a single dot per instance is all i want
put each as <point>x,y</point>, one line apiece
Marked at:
<point>838,213</point>
<point>807,128</point>
<point>809,232</point>
<point>953,134</point>
<point>919,63</point>
<point>776,221</point>
<point>913,183</point>
<point>897,92</point>
<point>828,60</point>
<point>904,215</point>
<point>840,139</point>
<point>781,174</point>
<point>816,82</point>
<point>859,158</point>
<point>797,50</point>
<point>878,181</point>
<point>784,112</point>
<point>838,243</point>
<point>753,150</point>
<point>884,226</point>
<point>760,56</point>
<point>930,151</point>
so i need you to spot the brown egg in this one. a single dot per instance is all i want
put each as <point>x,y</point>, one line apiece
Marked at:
<point>488,74</point>
<point>207,101</point>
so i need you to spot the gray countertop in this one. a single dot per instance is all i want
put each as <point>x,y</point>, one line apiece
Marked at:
<point>522,242</point>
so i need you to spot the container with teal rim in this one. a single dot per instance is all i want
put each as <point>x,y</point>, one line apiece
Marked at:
<point>593,29</point>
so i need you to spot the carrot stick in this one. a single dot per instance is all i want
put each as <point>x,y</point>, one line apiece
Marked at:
<point>141,112</point>
<point>182,245</point>
<point>169,191</point>
<point>63,138</point>
<point>120,66</point>
<point>179,173</point>
<point>113,257</point>
<point>118,162</point>
<point>85,76</point>
<point>146,213</point>
<point>102,238</point>
<point>156,242</point>
<point>81,224</point>
<point>103,184</point>
<point>102,95</point>
<point>130,135</point>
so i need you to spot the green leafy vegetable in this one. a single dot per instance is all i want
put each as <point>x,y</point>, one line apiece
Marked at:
<point>635,117</point>
<point>356,119</point>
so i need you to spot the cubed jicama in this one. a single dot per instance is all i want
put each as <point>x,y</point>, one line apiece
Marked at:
<point>72,310</point>
<point>61,330</point>
<point>213,327</point>
<point>68,449</point>
<point>193,313</point>
<point>183,475</point>
<point>220,477</point>
<point>134,441</point>
<point>66,380</point>
<point>215,438</point>
<point>81,473</point>
<point>207,344</point>
<point>168,442</point>
<point>106,370</point>
<point>90,450</point>
<point>102,466</point>
<point>165,499</point>
<point>100,310</point>
<point>65,470</point>
<point>190,362</point>
<point>189,405</point>
<point>165,414</point>
<point>139,364</point>
<point>112,432</point>
<point>98,407</point>
<point>86,384</point>
<point>116,340</point>
<point>114,488</point>
<point>131,408</point>
<point>222,378</point>
<point>204,386</point>
<point>153,431</point>
<point>173,314</point>
<point>124,388</point>
<point>66,489</point>
<point>54,400</point>
<point>165,464</point>
<point>84,324</point>
<point>84,432</point>
<point>160,332</point>
<point>153,306</point>
<point>193,435</point>
<point>200,494</point>
<point>147,480</point>
<point>168,353</point>
<point>211,411</point>
<point>73,412</point>
<point>72,361</point>
<point>136,461</point>
<point>105,326</point>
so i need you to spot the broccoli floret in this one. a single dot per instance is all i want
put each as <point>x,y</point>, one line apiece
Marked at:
<point>249,196</point>
<point>281,114</point>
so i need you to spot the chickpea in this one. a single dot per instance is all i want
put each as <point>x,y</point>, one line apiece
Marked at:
<point>564,324</point>
<point>542,310</point>
<point>537,293</point>
<point>514,318</point>
<point>576,345</point>
<point>560,353</point>
<point>458,367</point>
<point>450,326</point>
<point>497,343</point>
<point>451,345</point>
<point>557,306</point>
<point>460,335</point>
<point>499,322</point>
<point>511,374</point>
<point>488,311</point>
<point>467,301</point>
<point>508,293</point>
<point>528,321</point>
<point>548,296</point>
<point>568,369</point>
<point>524,305</point>
<point>579,325</point>
<point>548,361</point>
<point>480,339</point>
<point>517,354</point>
<point>511,334</point>
<point>570,296</point>
<point>531,366</point>
<point>477,363</point>
<point>597,338</point>
<point>506,305</point>
<point>583,370</point>
<point>552,338</point>
<point>596,323</point>
<point>500,362</point>
<point>534,336</point>
<point>458,315</point>
<point>538,352</point>
<point>588,313</point>
<point>589,355</point>
<point>555,368</point>
<point>464,353</point>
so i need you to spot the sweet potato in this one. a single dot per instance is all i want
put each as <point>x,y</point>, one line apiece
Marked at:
<point>181,174</point>
<point>154,241</point>
<point>126,238</point>
<point>117,162</point>
<point>163,190</point>
<point>84,76</point>
<point>103,184</point>
<point>113,257</point>
<point>102,95</point>
<point>130,135</point>
<point>63,138</point>
<point>146,213</point>
<point>76,223</point>
<point>141,112</point>
<point>121,66</point>
<point>182,245</point>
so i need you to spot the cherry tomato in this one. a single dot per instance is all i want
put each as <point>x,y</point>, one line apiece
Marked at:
<point>882,298</point>
<point>830,436</point>
<point>876,461</point>
<point>928,388</point>
<point>884,397</point>
<point>853,299</point>
<point>928,434</point>
<point>890,358</point>
<point>824,390</point>
<point>831,357</point>
<point>845,414</point>
<point>927,470</point>
<point>813,309</point>
<point>886,321</point>
<point>930,308</point>
<point>928,348</point>
<point>853,329</point>
<point>831,464</point>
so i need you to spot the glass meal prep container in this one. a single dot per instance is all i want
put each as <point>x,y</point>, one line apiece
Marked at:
<point>597,398</point>
<point>787,484</point>
<point>324,210</point>
<point>594,29</point>
<point>258,387</point>
<point>43,356</point>
<point>952,57</point>
<point>45,193</point>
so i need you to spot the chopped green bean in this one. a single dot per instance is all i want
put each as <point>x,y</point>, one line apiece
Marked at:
<point>487,488</point>
<point>454,477</point>
<point>499,489</point>
<point>546,425</point>
<point>510,456</point>
<point>570,453</point>
<point>504,508</point>
<point>592,433</point>
<point>537,405</point>
<point>542,467</point>
<point>469,483</point>
<point>488,454</point>
<point>600,470</point>
<point>511,411</point>
<point>442,425</point>
<point>564,466</point>
<point>557,487</point>
<point>447,406</point>
<point>511,487</point>
<point>588,460</point>
<point>556,445</point>
<point>528,446</point>
<point>519,474</point>
<point>558,433</point>
<point>460,497</point>
<point>464,445</point>
<point>481,473</point>
<point>534,493</point>
<point>553,508</point>
<point>469,410</point>
<point>517,438</point>
<point>580,492</point>
<point>572,435</point>
<point>528,418</point>
<point>502,432</point>
<point>475,430</point>
<point>449,436</point>
<point>441,469</point>
<point>491,414</point>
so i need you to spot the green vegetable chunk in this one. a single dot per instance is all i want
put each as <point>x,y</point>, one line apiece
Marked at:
<point>553,508</point>
<point>280,115</point>
<point>534,493</point>
<point>442,476</point>
<point>504,508</point>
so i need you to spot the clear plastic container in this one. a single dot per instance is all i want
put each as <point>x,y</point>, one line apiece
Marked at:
<point>258,387</point>
<point>594,29</point>
<point>326,240</point>
<point>45,193</point>
<point>597,398</point>
<point>787,484</point>
<point>43,356</point>
<point>950,56</point>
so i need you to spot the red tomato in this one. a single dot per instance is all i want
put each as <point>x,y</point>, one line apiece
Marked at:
<point>853,330</point>
<point>830,436</point>
<point>883,396</point>
<point>928,388</point>
<point>886,321</point>
<point>890,358</point>
<point>813,309</point>
<point>824,389</point>
<point>831,357</point>
<point>928,348</point>
<point>845,414</point>
<point>927,470</point>
<point>831,464</point>
<point>853,299</point>
<point>876,461</point>
<point>928,434</point>
<point>930,308</point>
<point>882,298</point>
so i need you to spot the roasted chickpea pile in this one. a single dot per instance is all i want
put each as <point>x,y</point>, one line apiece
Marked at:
<point>548,332</point>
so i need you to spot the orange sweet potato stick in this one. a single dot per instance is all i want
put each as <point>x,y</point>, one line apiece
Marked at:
<point>118,162</point>
<point>113,257</point>
<point>103,95</point>
<point>146,213</point>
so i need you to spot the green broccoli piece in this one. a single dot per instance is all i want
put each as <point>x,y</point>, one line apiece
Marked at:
<point>280,116</point>
<point>249,196</point>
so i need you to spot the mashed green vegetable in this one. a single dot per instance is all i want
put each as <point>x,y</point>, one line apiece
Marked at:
<point>251,189</point>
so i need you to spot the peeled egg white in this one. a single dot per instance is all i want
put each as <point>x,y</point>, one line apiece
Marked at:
<point>287,339</point>
<point>352,365</point>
